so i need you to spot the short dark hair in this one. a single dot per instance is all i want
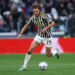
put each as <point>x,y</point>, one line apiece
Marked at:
<point>36,6</point>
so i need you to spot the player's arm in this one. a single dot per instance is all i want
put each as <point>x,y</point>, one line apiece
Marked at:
<point>22,31</point>
<point>48,27</point>
<point>24,28</point>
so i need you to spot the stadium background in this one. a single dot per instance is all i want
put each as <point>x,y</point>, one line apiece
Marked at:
<point>14,14</point>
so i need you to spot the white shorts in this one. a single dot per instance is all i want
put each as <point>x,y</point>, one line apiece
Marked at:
<point>46,41</point>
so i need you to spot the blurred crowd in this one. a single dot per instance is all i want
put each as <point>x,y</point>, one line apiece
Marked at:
<point>14,14</point>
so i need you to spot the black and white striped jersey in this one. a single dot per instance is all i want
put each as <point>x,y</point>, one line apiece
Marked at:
<point>42,21</point>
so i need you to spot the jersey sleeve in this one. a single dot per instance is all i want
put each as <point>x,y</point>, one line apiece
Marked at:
<point>30,20</point>
<point>49,19</point>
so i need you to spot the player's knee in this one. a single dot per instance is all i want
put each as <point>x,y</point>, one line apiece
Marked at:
<point>31,49</point>
<point>29,52</point>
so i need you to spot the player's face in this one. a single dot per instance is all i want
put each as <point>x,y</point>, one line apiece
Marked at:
<point>36,12</point>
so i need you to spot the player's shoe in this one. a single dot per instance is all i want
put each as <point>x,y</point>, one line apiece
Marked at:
<point>57,54</point>
<point>21,69</point>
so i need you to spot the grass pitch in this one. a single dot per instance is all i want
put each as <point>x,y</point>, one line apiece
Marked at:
<point>9,64</point>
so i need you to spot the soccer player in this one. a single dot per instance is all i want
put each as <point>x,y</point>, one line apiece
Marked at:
<point>44,35</point>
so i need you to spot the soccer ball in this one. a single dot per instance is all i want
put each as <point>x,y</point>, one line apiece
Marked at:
<point>43,65</point>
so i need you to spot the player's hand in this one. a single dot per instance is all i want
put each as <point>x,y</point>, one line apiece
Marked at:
<point>43,31</point>
<point>19,36</point>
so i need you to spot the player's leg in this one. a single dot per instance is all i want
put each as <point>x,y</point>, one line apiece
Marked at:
<point>33,46</point>
<point>48,44</point>
<point>35,43</point>
<point>48,51</point>
<point>28,55</point>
